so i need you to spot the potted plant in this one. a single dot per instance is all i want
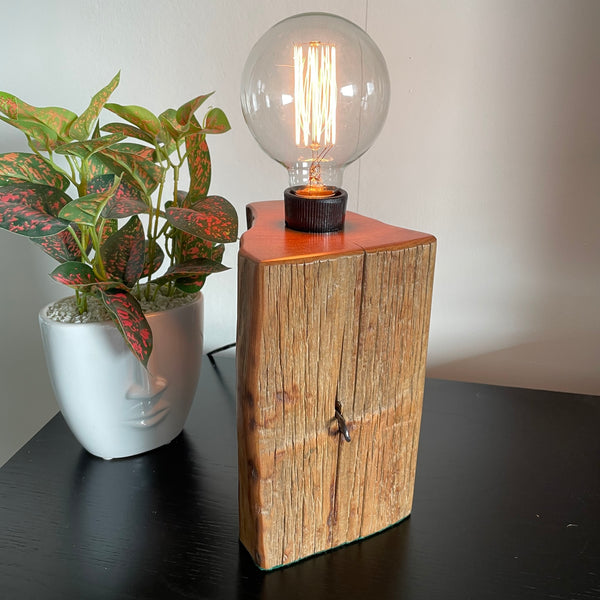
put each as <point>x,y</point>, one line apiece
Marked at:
<point>124,351</point>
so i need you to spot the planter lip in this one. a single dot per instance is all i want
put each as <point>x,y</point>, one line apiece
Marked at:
<point>108,323</point>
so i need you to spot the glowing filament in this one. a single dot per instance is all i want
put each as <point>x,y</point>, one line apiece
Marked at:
<point>315,95</point>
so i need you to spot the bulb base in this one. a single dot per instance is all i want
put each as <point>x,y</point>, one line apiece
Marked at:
<point>315,215</point>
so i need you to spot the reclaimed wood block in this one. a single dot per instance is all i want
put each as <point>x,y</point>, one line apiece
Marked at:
<point>325,319</point>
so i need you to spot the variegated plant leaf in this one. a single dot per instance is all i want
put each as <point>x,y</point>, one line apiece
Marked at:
<point>75,274</point>
<point>186,111</point>
<point>217,253</point>
<point>145,173</point>
<point>190,247</point>
<point>199,166</point>
<point>82,126</point>
<point>23,166</point>
<point>45,198</point>
<point>38,132</point>
<point>137,115</point>
<point>139,150</point>
<point>191,270</point>
<point>128,131</point>
<point>56,118</point>
<point>9,105</point>
<point>128,199</point>
<point>100,164</point>
<point>109,226</point>
<point>127,314</point>
<point>213,219</point>
<point>173,127</point>
<point>190,285</point>
<point>61,246</point>
<point>86,210</point>
<point>87,148</point>
<point>157,261</point>
<point>123,253</point>
<point>24,220</point>
<point>215,121</point>
<point>32,209</point>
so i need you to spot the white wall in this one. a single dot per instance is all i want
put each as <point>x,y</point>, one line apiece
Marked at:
<point>492,144</point>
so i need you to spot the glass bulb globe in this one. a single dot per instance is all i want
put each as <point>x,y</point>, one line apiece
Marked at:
<point>315,94</point>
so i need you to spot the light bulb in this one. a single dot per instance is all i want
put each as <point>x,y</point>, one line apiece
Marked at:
<point>315,94</point>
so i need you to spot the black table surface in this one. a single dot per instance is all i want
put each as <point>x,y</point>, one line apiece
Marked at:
<point>507,505</point>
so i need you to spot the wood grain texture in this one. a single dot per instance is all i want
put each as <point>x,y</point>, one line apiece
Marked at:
<point>324,318</point>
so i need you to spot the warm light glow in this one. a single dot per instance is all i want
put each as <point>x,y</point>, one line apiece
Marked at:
<point>315,102</point>
<point>315,94</point>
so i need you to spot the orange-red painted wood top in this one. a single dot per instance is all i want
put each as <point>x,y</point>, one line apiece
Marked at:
<point>268,239</point>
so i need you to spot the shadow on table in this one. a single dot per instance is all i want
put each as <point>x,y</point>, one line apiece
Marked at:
<point>371,568</point>
<point>141,524</point>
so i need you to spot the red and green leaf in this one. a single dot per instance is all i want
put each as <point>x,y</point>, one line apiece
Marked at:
<point>192,247</point>
<point>137,115</point>
<point>157,261</point>
<point>123,253</point>
<point>139,150</point>
<point>144,172</point>
<point>213,219</point>
<point>75,274</point>
<point>217,253</point>
<point>32,210</point>
<point>194,269</point>
<point>23,166</point>
<point>100,166</point>
<point>53,117</point>
<point>109,226</point>
<point>186,111</point>
<point>84,210</point>
<point>171,125</point>
<point>10,105</point>
<point>46,199</point>
<point>198,165</point>
<point>24,220</point>
<point>87,148</point>
<point>128,131</point>
<point>44,136</point>
<point>57,119</point>
<point>87,209</point>
<point>82,126</point>
<point>127,314</point>
<point>215,122</point>
<point>61,246</point>
<point>128,199</point>
<point>190,285</point>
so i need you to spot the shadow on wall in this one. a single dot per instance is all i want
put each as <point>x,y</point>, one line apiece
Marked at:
<point>564,353</point>
<point>535,310</point>
<point>536,364</point>
<point>26,399</point>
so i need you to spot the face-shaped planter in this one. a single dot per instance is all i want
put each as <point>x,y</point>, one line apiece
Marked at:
<point>113,405</point>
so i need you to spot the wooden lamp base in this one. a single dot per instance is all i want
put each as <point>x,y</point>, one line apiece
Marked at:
<point>325,322</point>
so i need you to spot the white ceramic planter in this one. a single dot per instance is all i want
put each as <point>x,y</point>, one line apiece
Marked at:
<point>114,406</point>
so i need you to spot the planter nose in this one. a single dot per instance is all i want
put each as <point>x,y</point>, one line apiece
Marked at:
<point>113,405</point>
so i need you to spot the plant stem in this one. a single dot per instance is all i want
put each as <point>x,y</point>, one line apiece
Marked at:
<point>81,300</point>
<point>153,217</point>
<point>78,242</point>
<point>98,263</point>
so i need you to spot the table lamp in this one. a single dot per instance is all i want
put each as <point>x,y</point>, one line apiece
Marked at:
<point>333,308</point>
